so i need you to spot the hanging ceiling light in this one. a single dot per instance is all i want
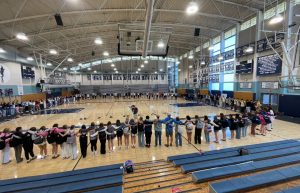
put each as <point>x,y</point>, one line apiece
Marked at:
<point>142,66</point>
<point>139,69</point>
<point>276,19</point>
<point>29,58</point>
<point>179,70</point>
<point>115,69</point>
<point>65,68</point>
<point>249,49</point>
<point>22,36</point>
<point>95,71</point>
<point>155,72</point>
<point>220,58</point>
<point>70,60</point>
<point>136,72</point>
<point>203,63</point>
<point>192,8</point>
<point>190,66</point>
<point>2,51</point>
<point>98,41</point>
<point>210,48</point>
<point>117,72</point>
<point>112,65</point>
<point>109,60</point>
<point>160,44</point>
<point>89,69</point>
<point>53,51</point>
<point>105,53</point>
<point>160,70</point>
<point>146,62</point>
<point>49,64</point>
<point>190,57</point>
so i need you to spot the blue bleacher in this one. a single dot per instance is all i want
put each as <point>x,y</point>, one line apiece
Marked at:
<point>185,156</point>
<point>80,186</point>
<point>252,150</point>
<point>117,189</point>
<point>291,190</point>
<point>90,179</point>
<point>229,171</point>
<point>256,181</point>
<point>236,160</point>
<point>62,174</point>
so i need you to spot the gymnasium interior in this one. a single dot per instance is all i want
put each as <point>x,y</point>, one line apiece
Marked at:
<point>160,96</point>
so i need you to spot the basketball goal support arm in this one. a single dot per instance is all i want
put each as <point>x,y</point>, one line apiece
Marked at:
<point>148,20</point>
<point>58,66</point>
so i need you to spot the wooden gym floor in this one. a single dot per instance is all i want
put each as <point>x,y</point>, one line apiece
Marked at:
<point>101,110</point>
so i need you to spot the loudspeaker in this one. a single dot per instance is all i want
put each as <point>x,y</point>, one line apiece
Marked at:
<point>42,81</point>
<point>58,20</point>
<point>197,32</point>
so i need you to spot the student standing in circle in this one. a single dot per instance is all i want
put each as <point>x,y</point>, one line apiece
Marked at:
<point>93,138</point>
<point>83,140</point>
<point>148,130</point>
<point>102,138</point>
<point>141,132</point>
<point>133,128</point>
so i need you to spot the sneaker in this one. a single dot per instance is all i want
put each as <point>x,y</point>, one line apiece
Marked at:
<point>166,145</point>
<point>28,161</point>
<point>33,158</point>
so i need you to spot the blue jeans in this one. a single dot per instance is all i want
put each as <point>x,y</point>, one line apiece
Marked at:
<point>244,131</point>
<point>141,138</point>
<point>238,132</point>
<point>206,134</point>
<point>178,139</point>
<point>157,138</point>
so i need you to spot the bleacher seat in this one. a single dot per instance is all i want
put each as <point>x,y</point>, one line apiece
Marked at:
<point>115,170</point>
<point>117,189</point>
<point>232,170</point>
<point>185,156</point>
<point>252,150</point>
<point>256,181</point>
<point>81,186</point>
<point>237,160</point>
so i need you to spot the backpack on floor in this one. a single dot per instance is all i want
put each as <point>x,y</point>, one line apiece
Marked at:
<point>128,166</point>
<point>243,151</point>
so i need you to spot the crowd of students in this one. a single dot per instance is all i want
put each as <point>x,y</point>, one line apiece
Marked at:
<point>234,104</point>
<point>14,108</point>
<point>133,132</point>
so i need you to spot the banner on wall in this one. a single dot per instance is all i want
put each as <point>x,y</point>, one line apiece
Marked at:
<point>269,65</point>
<point>246,85</point>
<point>245,67</point>
<point>263,44</point>
<point>270,85</point>
<point>20,90</point>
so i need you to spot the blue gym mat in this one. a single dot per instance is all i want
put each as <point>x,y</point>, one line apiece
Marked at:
<point>60,111</point>
<point>188,104</point>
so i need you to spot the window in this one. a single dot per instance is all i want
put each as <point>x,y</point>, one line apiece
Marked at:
<point>230,33</point>
<point>230,41</point>
<point>228,77</point>
<point>228,86</point>
<point>206,45</point>
<point>272,11</point>
<point>216,40</point>
<point>249,23</point>
<point>215,86</point>
<point>297,2</point>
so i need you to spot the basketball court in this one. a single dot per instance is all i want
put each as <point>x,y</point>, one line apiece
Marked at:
<point>84,62</point>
